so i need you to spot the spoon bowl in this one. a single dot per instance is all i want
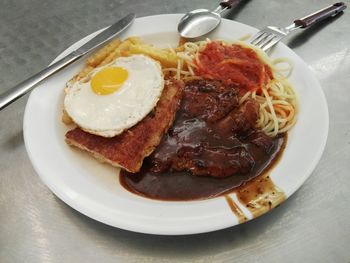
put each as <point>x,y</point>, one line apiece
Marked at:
<point>200,22</point>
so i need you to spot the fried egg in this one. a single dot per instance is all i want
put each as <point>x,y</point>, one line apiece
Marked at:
<point>116,96</point>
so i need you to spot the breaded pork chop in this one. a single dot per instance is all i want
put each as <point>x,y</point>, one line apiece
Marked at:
<point>128,149</point>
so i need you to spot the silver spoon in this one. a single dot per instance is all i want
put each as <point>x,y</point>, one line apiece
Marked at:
<point>202,21</point>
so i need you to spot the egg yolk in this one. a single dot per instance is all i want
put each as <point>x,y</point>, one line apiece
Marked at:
<point>108,80</point>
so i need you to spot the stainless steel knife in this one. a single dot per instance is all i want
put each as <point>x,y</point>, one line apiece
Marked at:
<point>27,85</point>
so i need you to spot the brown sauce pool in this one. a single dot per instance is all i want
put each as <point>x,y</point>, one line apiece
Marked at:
<point>183,186</point>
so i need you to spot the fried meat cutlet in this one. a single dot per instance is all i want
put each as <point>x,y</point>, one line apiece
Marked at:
<point>128,149</point>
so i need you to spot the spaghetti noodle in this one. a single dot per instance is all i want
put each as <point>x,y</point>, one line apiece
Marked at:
<point>277,99</point>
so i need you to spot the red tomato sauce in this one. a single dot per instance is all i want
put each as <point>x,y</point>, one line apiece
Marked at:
<point>233,64</point>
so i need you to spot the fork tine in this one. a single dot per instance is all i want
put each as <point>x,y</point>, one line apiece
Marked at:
<point>273,41</point>
<point>263,39</point>
<point>257,37</point>
<point>267,40</point>
<point>269,36</point>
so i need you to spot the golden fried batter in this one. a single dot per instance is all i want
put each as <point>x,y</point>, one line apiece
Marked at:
<point>128,149</point>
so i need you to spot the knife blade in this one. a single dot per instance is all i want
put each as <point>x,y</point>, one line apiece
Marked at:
<point>27,85</point>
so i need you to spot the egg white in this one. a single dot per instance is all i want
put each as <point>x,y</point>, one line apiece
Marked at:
<point>109,115</point>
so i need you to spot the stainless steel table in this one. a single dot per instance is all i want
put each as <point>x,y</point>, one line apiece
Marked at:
<point>35,226</point>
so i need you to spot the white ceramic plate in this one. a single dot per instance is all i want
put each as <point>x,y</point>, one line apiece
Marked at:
<point>93,188</point>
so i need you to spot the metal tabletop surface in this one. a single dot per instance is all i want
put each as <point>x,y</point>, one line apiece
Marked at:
<point>35,226</point>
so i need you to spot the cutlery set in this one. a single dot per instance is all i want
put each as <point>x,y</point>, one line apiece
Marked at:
<point>271,35</point>
<point>193,25</point>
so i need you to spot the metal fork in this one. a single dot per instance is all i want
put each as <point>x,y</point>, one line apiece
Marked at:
<point>271,35</point>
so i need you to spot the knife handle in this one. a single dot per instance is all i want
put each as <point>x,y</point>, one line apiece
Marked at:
<point>228,3</point>
<point>27,85</point>
<point>324,13</point>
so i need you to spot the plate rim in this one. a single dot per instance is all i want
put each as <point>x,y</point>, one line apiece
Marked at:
<point>142,229</point>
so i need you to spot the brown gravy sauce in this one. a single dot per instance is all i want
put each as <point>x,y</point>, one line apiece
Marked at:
<point>252,189</point>
<point>260,195</point>
<point>198,131</point>
<point>236,210</point>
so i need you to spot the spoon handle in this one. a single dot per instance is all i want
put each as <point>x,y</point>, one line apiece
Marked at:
<point>228,3</point>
